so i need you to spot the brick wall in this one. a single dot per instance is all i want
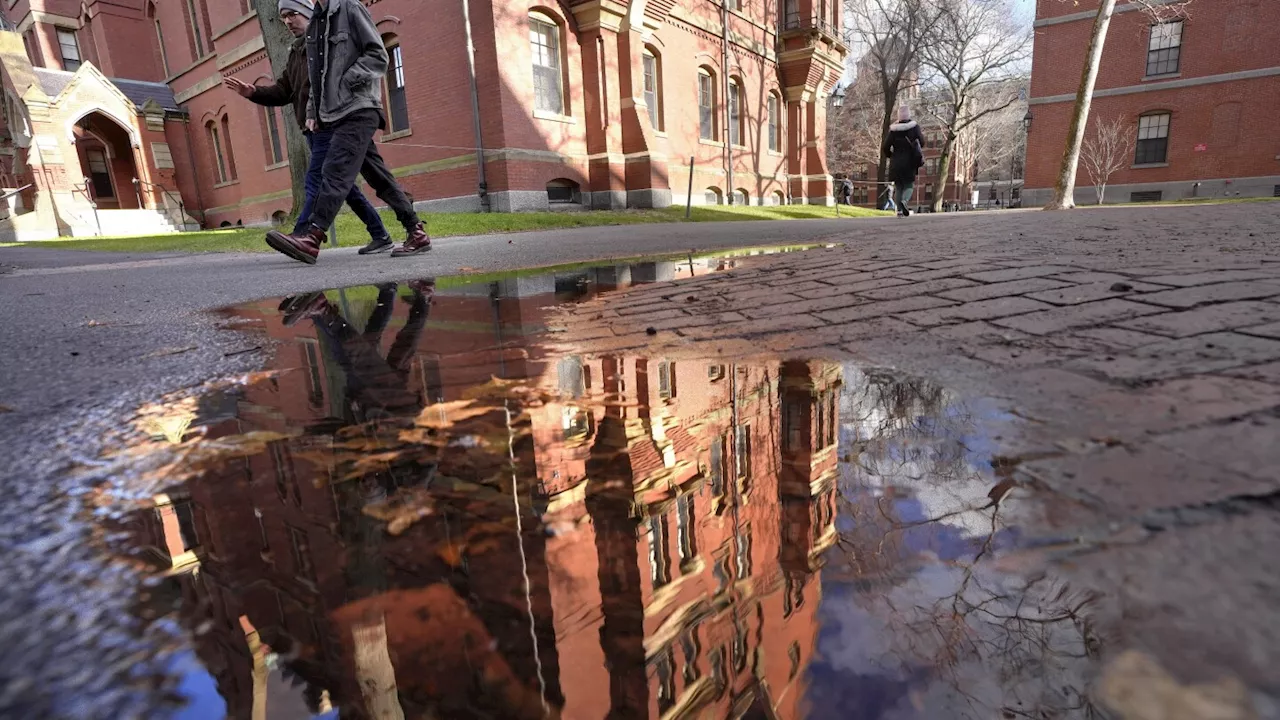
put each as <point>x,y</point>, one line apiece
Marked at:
<point>1219,129</point>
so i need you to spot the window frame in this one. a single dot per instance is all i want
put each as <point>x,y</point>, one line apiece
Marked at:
<point>544,22</point>
<point>197,33</point>
<point>215,145</point>
<point>230,152</point>
<point>1146,154</point>
<point>651,72</point>
<point>277,148</point>
<point>773,107</point>
<point>59,34</point>
<point>1164,53</point>
<point>706,105</point>
<point>396,73</point>
<point>106,172</point>
<point>736,130</point>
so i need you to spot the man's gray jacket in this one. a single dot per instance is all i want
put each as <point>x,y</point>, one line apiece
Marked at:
<point>346,71</point>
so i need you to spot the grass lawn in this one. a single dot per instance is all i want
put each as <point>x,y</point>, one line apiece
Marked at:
<point>351,232</point>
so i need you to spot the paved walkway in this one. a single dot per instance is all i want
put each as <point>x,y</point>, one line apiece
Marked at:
<point>1138,351</point>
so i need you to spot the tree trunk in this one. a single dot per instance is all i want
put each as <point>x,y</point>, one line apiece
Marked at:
<point>279,41</point>
<point>1102,192</point>
<point>944,169</point>
<point>1065,188</point>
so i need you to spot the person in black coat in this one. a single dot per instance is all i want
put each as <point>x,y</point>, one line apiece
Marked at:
<point>905,148</point>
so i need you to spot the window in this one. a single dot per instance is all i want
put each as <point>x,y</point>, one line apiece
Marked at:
<point>197,36</point>
<point>70,48</point>
<point>711,196</point>
<point>717,467</point>
<point>685,529</point>
<point>548,89</point>
<point>275,136</point>
<point>742,451</point>
<point>775,124</point>
<point>187,525</point>
<point>301,551</point>
<point>33,48</point>
<point>1153,139</point>
<point>744,554</point>
<point>740,197</point>
<point>666,380</point>
<point>215,144</point>
<point>164,54</point>
<point>791,14</point>
<point>659,570</point>
<point>706,107</point>
<point>231,157</point>
<point>652,89</point>
<point>397,99</point>
<point>735,113</point>
<point>1164,51</point>
<point>928,193</point>
<point>562,191</point>
<point>715,372</point>
<point>100,174</point>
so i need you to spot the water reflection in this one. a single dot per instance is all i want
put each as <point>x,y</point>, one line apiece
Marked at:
<point>423,515</point>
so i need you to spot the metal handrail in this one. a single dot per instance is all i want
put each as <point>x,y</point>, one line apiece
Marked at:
<point>182,211</point>
<point>88,195</point>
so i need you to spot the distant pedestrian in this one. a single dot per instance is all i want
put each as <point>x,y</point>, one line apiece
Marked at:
<point>905,148</point>
<point>346,63</point>
<point>846,191</point>
<point>293,87</point>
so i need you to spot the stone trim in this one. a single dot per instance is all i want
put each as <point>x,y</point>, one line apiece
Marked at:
<point>238,53</point>
<point>1091,14</point>
<point>1167,85</point>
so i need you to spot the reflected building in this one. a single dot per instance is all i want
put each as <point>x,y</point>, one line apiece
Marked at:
<point>436,519</point>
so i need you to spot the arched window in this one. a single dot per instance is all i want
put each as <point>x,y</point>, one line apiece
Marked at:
<point>1153,138</point>
<point>274,135</point>
<point>653,87</point>
<point>711,196</point>
<point>775,122</point>
<point>778,198</point>
<point>397,97</point>
<point>548,72</point>
<point>562,190</point>
<point>231,156</point>
<point>735,112</point>
<point>706,104</point>
<point>741,197</point>
<point>215,145</point>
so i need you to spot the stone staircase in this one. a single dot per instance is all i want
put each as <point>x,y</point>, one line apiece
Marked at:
<point>111,223</point>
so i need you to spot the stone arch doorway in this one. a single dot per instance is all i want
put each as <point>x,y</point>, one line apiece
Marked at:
<point>107,162</point>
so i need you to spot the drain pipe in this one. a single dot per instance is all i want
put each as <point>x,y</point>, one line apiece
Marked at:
<point>483,188</point>
<point>728,132</point>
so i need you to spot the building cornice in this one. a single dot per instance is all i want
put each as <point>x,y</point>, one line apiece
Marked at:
<point>1091,14</point>
<point>1166,85</point>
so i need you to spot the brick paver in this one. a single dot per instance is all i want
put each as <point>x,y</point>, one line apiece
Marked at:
<point>1221,292</point>
<point>1076,316</point>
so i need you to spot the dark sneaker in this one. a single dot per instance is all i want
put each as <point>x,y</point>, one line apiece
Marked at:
<point>377,245</point>
<point>416,242</point>
<point>906,212</point>
<point>303,248</point>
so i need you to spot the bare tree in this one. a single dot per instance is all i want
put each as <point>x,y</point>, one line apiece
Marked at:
<point>1065,187</point>
<point>891,33</point>
<point>1106,151</point>
<point>973,51</point>
<point>279,41</point>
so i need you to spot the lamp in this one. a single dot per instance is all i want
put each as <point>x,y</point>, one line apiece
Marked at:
<point>1026,121</point>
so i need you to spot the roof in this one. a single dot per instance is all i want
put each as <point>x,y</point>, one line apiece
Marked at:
<point>53,82</point>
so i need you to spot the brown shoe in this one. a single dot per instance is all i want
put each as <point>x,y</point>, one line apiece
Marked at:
<point>416,242</point>
<point>303,248</point>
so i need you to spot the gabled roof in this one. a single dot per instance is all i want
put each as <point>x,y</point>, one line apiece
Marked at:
<point>53,82</point>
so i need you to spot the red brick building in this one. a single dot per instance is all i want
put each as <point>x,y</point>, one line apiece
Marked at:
<point>1200,95</point>
<point>586,102</point>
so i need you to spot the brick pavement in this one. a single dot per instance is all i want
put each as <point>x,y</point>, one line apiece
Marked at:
<point>1142,362</point>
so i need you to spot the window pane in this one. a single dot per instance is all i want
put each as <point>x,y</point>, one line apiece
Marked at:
<point>734,115</point>
<point>705,108</point>
<point>651,89</point>
<point>397,97</point>
<point>70,50</point>
<point>273,133</point>
<point>773,123</point>
<point>1166,35</point>
<point>544,40</point>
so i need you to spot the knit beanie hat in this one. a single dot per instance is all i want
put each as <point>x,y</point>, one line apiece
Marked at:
<point>904,112</point>
<point>302,7</point>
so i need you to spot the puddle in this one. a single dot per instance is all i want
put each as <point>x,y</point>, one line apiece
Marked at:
<point>416,512</point>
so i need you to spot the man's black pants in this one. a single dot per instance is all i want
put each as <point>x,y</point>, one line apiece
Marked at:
<point>352,152</point>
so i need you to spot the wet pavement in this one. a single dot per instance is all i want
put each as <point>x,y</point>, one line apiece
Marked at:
<point>418,510</point>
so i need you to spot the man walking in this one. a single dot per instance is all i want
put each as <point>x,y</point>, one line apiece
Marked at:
<point>294,88</point>
<point>346,62</point>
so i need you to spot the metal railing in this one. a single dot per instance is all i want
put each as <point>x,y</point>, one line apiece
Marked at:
<point>87,191</point>
<point>796,21</point>
<point>138,183</point>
